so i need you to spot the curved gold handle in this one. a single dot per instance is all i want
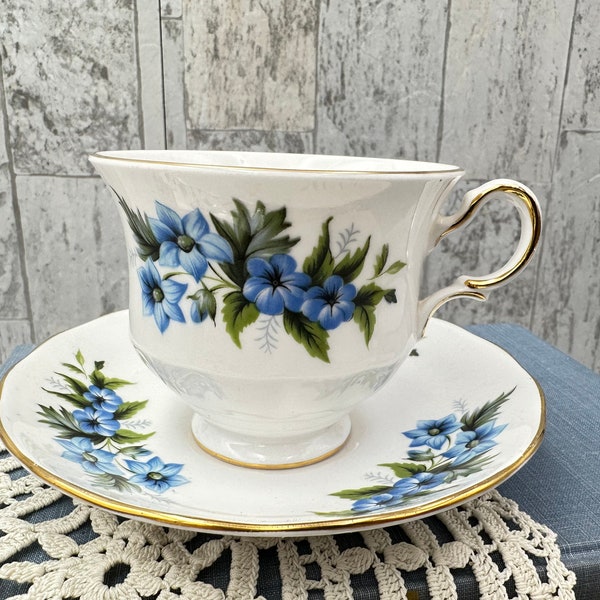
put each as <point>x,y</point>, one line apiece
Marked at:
<point>523,199</point>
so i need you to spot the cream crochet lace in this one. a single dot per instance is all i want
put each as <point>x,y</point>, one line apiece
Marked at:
<point>489,537</point>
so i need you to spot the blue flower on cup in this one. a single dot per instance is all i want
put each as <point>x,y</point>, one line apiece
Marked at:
<point>330,304</point>
<point>187,241</point>
<point>471,443</point>
<point>160,297</point>
<point>103,398</point>
<point>155,474</point>
<point>433,432</point>
<point>94,421</point>
<point>94,461</point>
<point>275,284</point>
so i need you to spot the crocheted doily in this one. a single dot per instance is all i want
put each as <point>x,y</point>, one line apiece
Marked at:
<point>54,548</point>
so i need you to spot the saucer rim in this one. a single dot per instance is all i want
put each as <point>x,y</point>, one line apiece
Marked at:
<point>336,525</point>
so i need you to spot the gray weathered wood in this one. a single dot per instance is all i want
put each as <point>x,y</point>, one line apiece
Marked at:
<point>12,333</point>
<point>70,80</point>
<point>173,61</point>
<point>567,306</point>
<point>250,65</point>
<point>504,76</point>
<point>251,140</point>
<point>74,251</point>
<point>380,78</point>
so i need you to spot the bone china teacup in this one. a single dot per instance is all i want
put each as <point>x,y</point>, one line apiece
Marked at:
<point>273,292</point>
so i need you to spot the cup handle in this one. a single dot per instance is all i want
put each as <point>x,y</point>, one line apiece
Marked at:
<point>466,286</point>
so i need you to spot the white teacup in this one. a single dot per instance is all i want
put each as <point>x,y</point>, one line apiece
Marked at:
<point>273,292</point>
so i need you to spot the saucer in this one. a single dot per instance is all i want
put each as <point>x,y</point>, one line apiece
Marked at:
<point>85,414</point>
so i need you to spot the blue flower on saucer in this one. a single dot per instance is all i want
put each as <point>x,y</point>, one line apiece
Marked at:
<point>103,398</point>
<point>471,443</point>
<point>82,451</point>
<point>275,284</point>
<point>187,241</point>
<point>433,432</point>
<point>155,474</point>
<point>93,421</point>
<point>419,482</point>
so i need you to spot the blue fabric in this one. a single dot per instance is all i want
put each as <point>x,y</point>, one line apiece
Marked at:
<point>557,487</point>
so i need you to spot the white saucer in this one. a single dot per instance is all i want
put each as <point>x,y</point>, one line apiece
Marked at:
<point>371,482</point>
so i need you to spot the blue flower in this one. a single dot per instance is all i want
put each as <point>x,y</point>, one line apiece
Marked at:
<point>100,422</point>
<point>103,398</point>
<point>433,433</point>
<point>82,451</point>
<point>155,474</point>
<point>376,502</point>
<point>407,486</point>
<point>160,297</point>
<point>187,241</point>
<point>274,284</point>
<point>471,443</point>
<point>330,304</point>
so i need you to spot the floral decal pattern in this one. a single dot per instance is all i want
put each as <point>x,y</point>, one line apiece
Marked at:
<point>100,433</point>
<point>441,450</point>
<point>245,265</point>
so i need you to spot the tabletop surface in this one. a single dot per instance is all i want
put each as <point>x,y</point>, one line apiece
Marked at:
<point>558,487</point>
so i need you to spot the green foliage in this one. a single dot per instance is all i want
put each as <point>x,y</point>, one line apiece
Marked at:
<point>146,242</point>
<point>311,335</point>
<point>259,234</point>
<point>319,264</point>
<point>362,493</point>
<point>485,413</point>
<point>404,469</point>
<point>238,313</point>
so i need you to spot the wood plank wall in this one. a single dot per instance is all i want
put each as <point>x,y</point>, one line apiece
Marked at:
<point>504,88</point>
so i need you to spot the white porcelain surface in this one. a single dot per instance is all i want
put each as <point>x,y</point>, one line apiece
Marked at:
<point>451,372</point>
<point>275,292</point>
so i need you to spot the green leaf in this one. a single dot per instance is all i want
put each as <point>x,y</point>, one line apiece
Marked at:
<point>380,260</point>
<point>62,420</point>
<point>74,368</point>
<point>370,295</point>
<point>390,296</point>
<point>361,493</point>
<point>79,358</point>
<point>364,316</point>
<point>319,264</point>
<point>252,235</point>
<point>147,244</point>
<point>351,265</point>
<point>99,365</point>
<point>422,455</point>
<point>402,470</point>
<point>485,413</point>
<point>113,383</point>
<point>126,436</point>
<point>311,335</point>
<point>134,451</point>
<point>97,378</point>
<point>76,399</point>
<point>77,386</point>
<point>129,409</point>
<point>238,313</point>
<point>206,303</point>
<point>395,267</point>
<point>118,482</point>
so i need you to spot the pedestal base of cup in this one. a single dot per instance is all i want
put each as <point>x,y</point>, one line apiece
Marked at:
<point>279,453</point>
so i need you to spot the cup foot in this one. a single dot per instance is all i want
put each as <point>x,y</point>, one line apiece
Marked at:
<point>248,452</point>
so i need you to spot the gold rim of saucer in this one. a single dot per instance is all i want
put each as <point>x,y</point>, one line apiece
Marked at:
<point>443,169</point>
<point>281,528</point>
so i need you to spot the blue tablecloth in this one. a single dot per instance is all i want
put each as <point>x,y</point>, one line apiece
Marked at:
<point>558,487</point>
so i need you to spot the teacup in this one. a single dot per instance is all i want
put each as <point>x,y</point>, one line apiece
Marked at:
<point>273,292</point>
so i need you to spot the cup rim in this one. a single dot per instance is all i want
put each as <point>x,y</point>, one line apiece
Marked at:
<point>257,162</point>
